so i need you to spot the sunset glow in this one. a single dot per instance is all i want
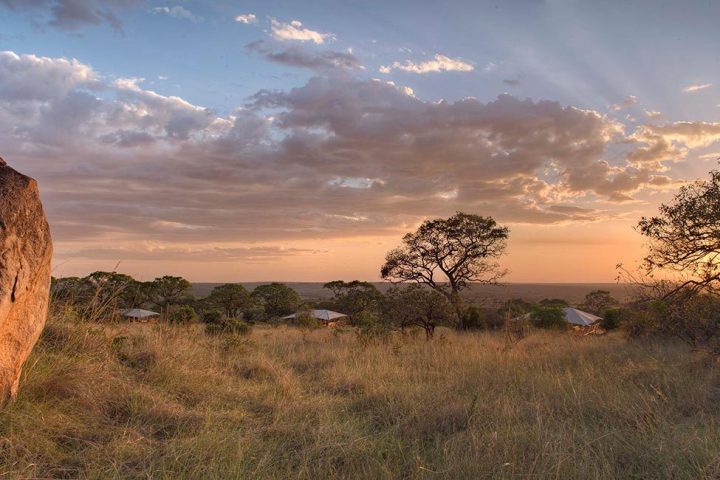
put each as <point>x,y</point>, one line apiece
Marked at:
<point>226,141</point>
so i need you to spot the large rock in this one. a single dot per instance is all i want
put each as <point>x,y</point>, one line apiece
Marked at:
<point>25,255</point>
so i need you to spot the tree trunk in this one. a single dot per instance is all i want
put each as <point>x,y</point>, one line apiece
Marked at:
<point>429,332</point>
<point>459,307</point>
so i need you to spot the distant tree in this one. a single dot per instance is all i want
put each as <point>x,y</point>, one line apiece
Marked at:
<point>110,291</point>
<point>71,291</point>
<point>277,299</point>
<point>352,298</point>
<point>598,301</point>
<point>515,307</point>
<point>448,254</point>
<point>169,290</point>
<point>553,302</point>
<point>548,317</point>
<point>419,306</point>
<point>231,298</point>
<point>685,237</point>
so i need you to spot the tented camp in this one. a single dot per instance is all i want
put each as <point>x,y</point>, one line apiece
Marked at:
<point>324,316</point>
<point>139,314</point>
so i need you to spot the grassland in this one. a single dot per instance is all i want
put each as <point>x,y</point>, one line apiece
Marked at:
<point>155,401</point>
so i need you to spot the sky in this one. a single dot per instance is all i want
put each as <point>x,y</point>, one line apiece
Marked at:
<point>298,141</point>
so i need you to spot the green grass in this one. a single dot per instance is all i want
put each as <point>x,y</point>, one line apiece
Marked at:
<point>154,401</point>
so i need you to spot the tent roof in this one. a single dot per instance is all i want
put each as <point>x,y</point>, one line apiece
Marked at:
<point>572,315</point>
<point>326,315</point>
<point>578,317</point>
<point>138,313</point>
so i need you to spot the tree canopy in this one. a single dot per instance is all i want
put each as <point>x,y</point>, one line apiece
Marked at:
<point>231,298</point>
<point>449,254</point>
<point>169,290</point>
<point>685,236</point>
<point>277,299</point>
<point>352,298</point>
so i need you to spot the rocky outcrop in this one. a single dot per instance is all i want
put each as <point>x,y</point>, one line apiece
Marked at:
<point>25,255</point>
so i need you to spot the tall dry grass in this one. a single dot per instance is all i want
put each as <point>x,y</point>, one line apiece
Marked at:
<point>154,401</point>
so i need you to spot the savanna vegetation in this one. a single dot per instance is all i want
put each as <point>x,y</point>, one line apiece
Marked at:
<point>130,400</point>
<point>417,382</point>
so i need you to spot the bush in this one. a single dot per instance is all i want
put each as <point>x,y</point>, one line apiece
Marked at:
<point>473,318</point>
<point>640,322</point>
<point>369,326</point>
<point>181,315</point>
<point>213,317</point>
<point>548,317</point>
<point>305,320</point>
<point>228,325</point>
<point>612,319</point>
<point>492,319</point>
<point>254,313</point>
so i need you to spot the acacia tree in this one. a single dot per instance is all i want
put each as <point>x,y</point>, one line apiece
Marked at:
<point>449,254</point>
<point>685,237</point>
<point>684,241</point>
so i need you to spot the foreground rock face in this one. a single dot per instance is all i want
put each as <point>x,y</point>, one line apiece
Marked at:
<point>25,255</point>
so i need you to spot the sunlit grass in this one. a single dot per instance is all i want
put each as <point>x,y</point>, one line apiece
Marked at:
<point>153,401</point>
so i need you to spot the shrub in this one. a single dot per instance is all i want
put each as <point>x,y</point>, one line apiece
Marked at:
<point>369,326</point>
<point>228,325</point>
<point>305,320</point>
<point>640,322</point>
<point>213,317</point>
<point>492,319</point>
<point>473,319</point>
<point>612,319</point>
<point>181,315</point>
<point>254,313</point>
<point>548,317</point>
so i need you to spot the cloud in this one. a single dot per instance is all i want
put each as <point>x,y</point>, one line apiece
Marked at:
<point>627,102</point>
<point>178,11</point>
<point>295,31</point>
<point>33,78</point>
<point>212,254</point>
<point>439,63</point>
<point>340,156</point>
<point>696,88</point>
<point>301,58</point>
<point>247,18</point>
<point>653,114</point>
<point>511,82</point>
<point>74,14</point>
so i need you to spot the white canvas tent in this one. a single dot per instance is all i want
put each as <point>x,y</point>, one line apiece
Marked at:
<point>322,315</point>
<point>578,317</point>
<point>139,314</point>
<point>572,316</point>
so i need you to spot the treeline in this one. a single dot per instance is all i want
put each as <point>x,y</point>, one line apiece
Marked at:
<point>104,296</point>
